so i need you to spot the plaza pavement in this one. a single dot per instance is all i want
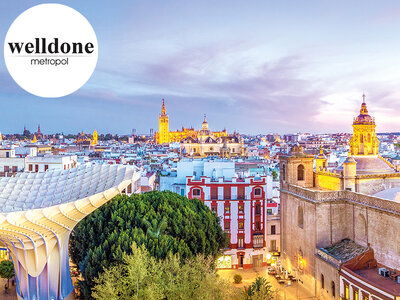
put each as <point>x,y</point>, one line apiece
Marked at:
<point>281,291</point>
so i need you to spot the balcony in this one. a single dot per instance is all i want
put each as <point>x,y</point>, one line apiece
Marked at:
<point>258,240</point>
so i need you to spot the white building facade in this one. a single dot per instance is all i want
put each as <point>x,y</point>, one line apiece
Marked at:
<point>241,203</point>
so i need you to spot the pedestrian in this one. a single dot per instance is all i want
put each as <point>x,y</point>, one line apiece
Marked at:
<point>6,288</point>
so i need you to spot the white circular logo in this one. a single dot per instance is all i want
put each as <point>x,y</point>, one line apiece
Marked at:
<point>51,50</point>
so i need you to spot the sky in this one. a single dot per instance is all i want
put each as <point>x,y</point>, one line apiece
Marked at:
<point>252,66</point>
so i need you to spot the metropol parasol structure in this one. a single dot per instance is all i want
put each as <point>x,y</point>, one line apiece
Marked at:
<point>38,211</point>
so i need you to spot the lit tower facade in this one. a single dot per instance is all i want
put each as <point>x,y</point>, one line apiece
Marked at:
<point>95,137</point>
<point>163,126</point>
<point>364,140</point>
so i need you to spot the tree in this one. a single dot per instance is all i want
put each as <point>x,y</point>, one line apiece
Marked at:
<point>274,174</point>
<point>155,228</point>
<point>7,270</point>
<point>164,222</point>
<point>142,276</point>
<point>260,289</point>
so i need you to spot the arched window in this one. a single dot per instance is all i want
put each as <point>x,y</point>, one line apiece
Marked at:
<point>360,230</point>
<point>283,172</point>
<point>333,289</point>
<point>196,192</point>
<point>322,281</point>
<point>361,138</point>
<point>369,138</point>
<point>300,217</point>
<point>300,172</point>
<point>257,192</point>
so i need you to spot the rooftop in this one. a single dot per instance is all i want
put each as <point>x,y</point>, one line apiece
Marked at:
<point>370,165</point>
<point>28,191</point>
<point>372,276</point>
<point>345,250</point>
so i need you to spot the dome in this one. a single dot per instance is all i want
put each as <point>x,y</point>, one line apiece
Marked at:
<point>364,117</point>
<point>368,165</point>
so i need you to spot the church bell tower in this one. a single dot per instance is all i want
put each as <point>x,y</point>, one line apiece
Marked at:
<point>163,126</point>
<point>364,140</point>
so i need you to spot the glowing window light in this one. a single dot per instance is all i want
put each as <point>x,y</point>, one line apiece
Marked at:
<point>224,262</point>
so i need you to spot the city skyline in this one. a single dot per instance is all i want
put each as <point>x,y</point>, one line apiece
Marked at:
<point>268,67</point>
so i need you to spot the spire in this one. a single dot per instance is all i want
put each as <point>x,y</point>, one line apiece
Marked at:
<point>321,153</point>
<point>39,129</point>
<point>163,109</point>
<point>363,110</point>
<point>205,119</point>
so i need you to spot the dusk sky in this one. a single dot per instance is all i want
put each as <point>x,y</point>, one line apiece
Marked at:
<point>251,66</point>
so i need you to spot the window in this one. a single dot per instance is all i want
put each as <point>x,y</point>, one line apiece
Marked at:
<point>346,291</point>
<point>6,169</point>
<point>227,209</point>
<point>240,241</point>
<point>361,138</point>
<point>355,293</point>
<point>129,189</point>
<point>257,192</point>
<point>300,172</point>
<point>194,150</point>
<point>227,193</point>
<point>258,209</point>
<point>214,193</point>
<point>258,240</point>
<point>273,229</point>
<point>369,138</point>
<point>30,168</point>
<point>334,290</point>
<point>46,167</point>
<point>241,208</point>
<point>269,211</point>
<point>14,169</point>
<point>257,225</point>
<point>272,246</point>
<point>233,150</point>
<point>241,225</point>
<point>283,172</point>
<point>227,225</point>
<point>214,208</point>
<point>300,217</point>
<point>196,192</point>
<point>7,154</point>
<point>241,193</point>
<point>322,281</point>
<point>36,168</point>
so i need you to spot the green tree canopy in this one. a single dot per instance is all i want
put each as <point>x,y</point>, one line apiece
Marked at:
<point>260,289</point>
<point>7,270</point>
<point>164,222</point>
<point>142,276</point>
<point>274,174</point>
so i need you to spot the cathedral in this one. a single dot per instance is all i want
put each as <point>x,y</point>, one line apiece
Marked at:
<point>364,170</point>
<point>199,143</point>
<point>340,239</point>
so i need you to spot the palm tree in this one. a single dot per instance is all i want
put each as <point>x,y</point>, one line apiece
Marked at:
<point>154,229</point>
